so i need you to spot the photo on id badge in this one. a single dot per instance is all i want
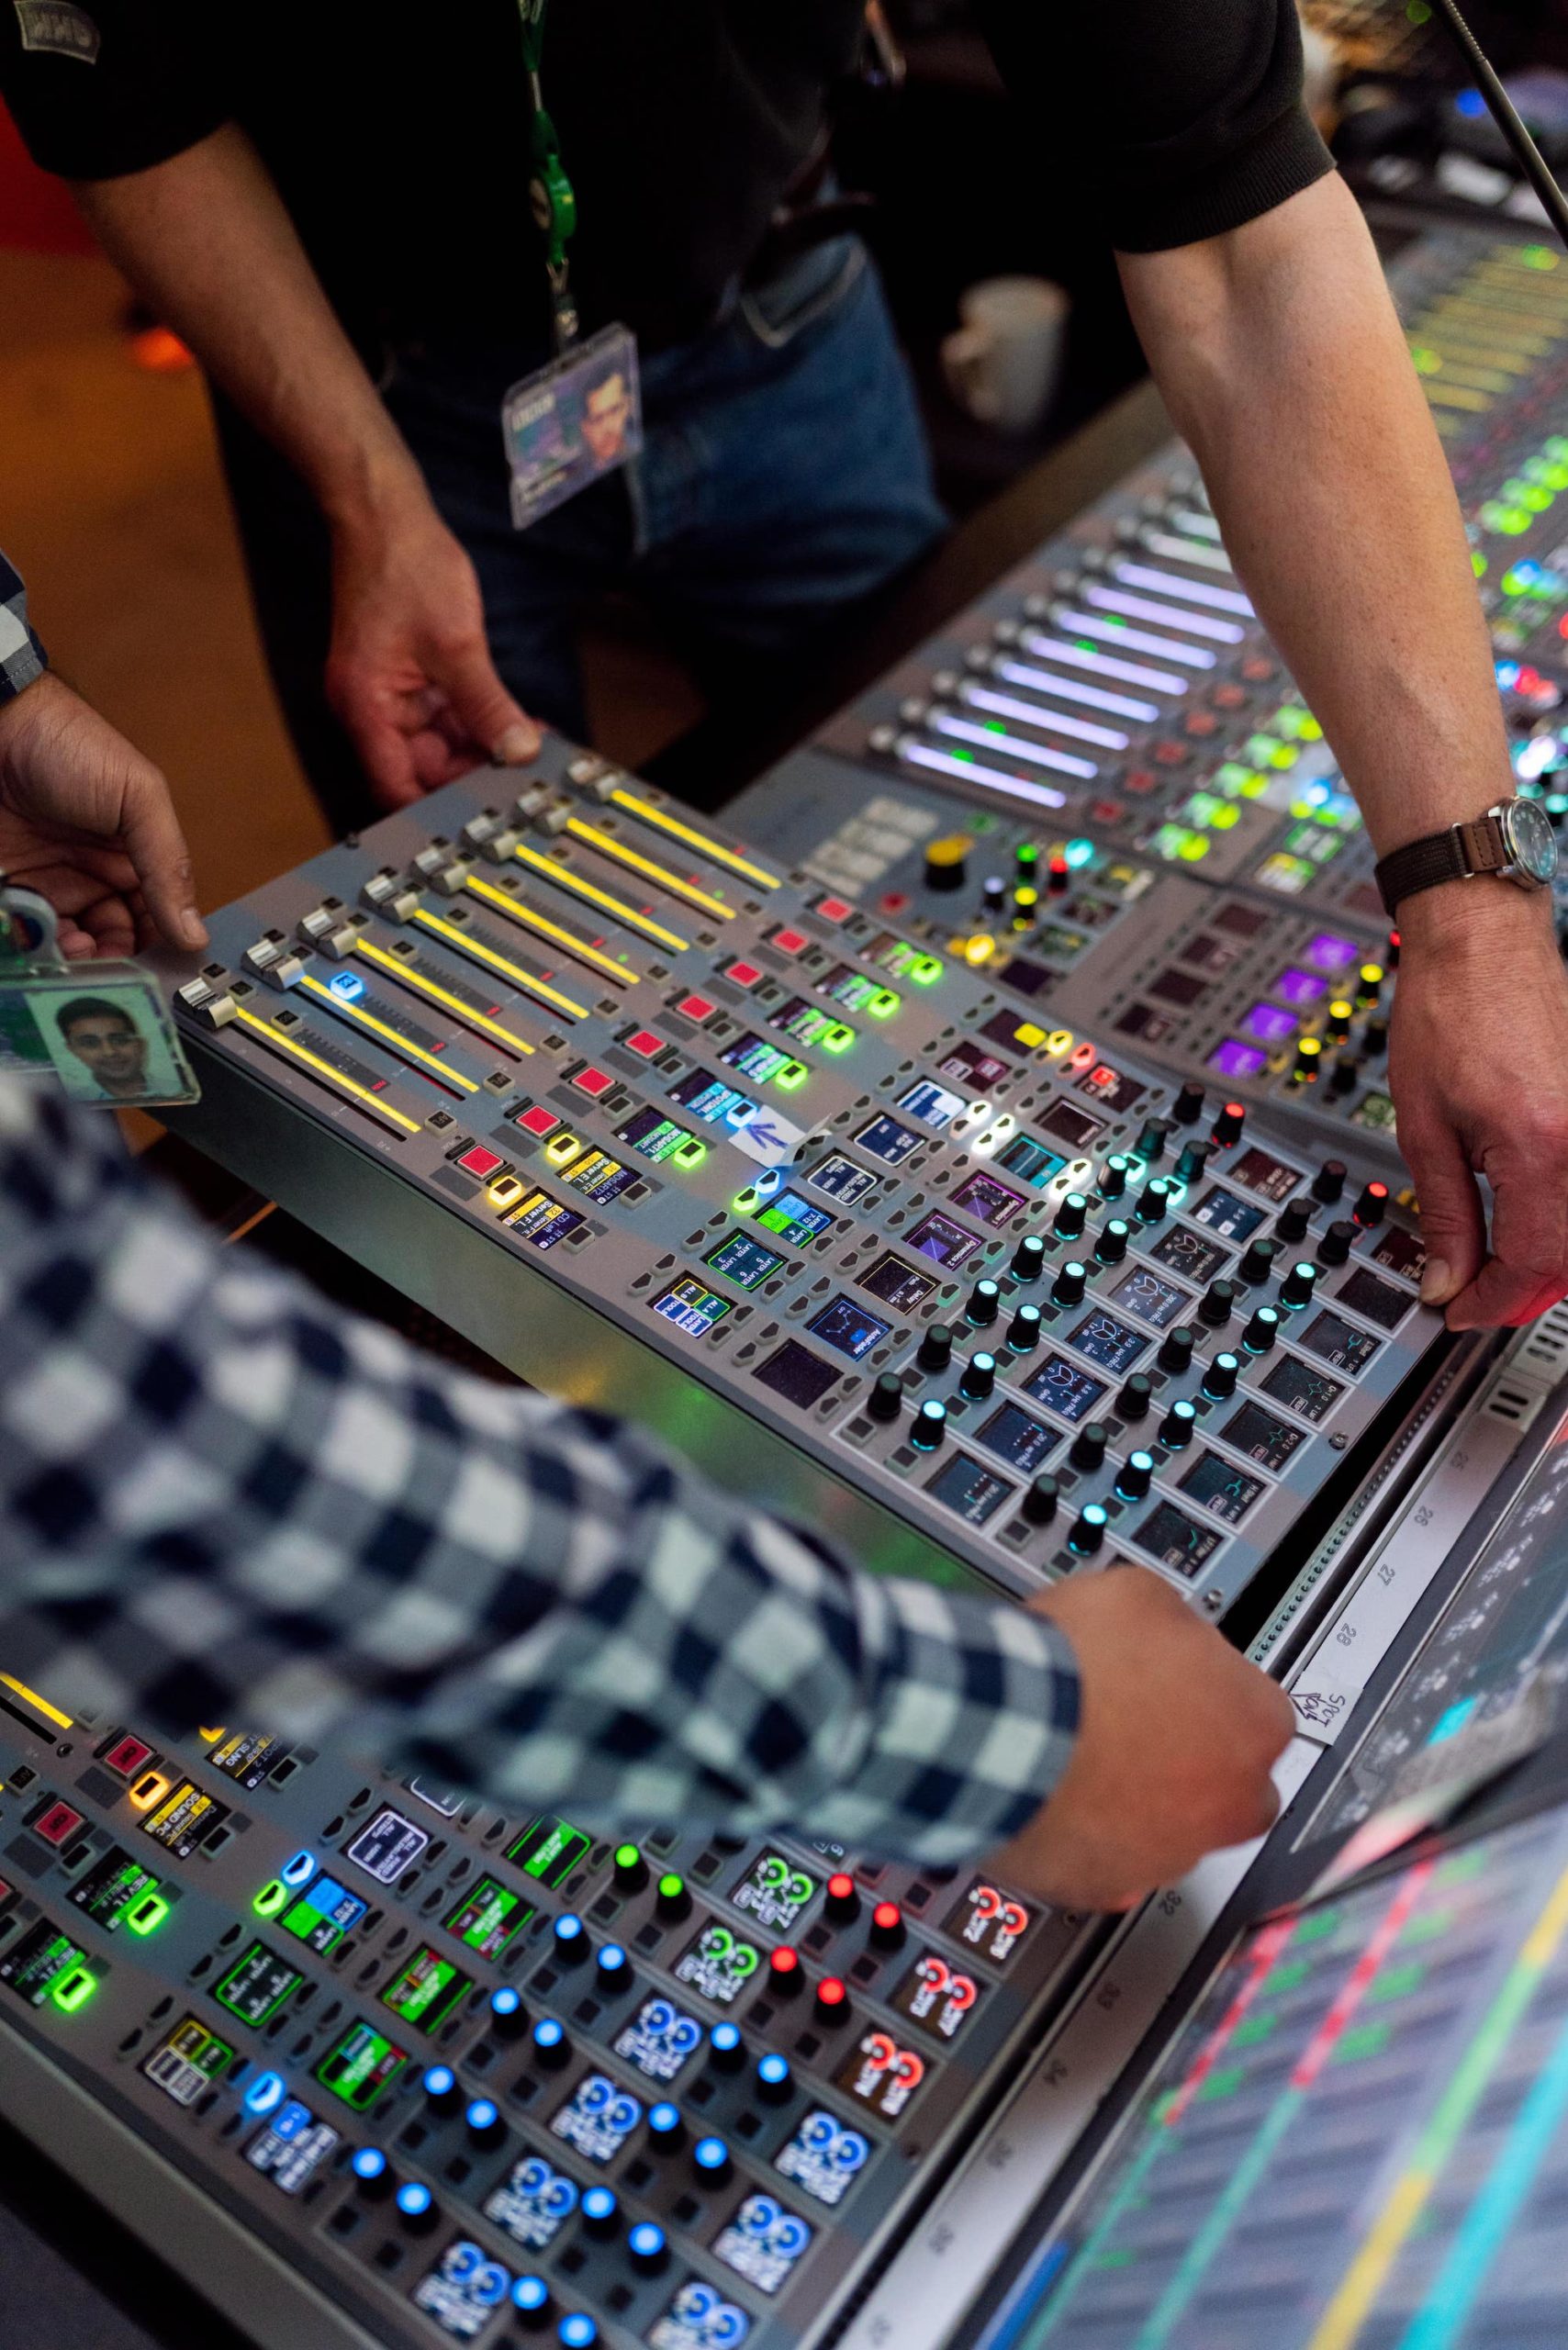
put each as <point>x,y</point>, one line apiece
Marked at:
<point>105,1039</point>
<point>572,422</point>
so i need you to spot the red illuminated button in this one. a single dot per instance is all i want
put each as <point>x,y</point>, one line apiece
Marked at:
<point>695,1007</point>
<point>842,1903</point>
<point>57,1823</point>
<point>1107,811</point>
<point>784,1972</point>
<point>1255,670</point>
<point>887,1925</point>
<point>831,2001</point>
<point>1201,722</point>
<point>1058,877</point>
<point>593,1081</point>
<point>894,902</point>
<point>744,975</point>
<point>127,1755</point>
<point>1139,779</point>
<point>835,909</point>
<point>645,1044</point>
<point>537,1120</point>
<point>791,941</point>
<point>1170,754</point>
<point>1228,696</point>
<point>478,1160</point>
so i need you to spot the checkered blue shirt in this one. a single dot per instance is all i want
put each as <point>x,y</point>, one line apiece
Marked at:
<point>21,655</point>
<point>222,1499</point>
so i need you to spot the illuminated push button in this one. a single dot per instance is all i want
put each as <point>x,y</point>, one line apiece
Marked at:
<point>1176,1352</point>
<point>1071,1216</point>
<point>1137,1394</point>
<point>1114,1176</point>
<point>1069,1284</point>
<point>711,2161</point>
<point>440,2085</point>
<point>1029,1258</point>
<point>935,1347</point>
<point>831,2004</point>
<point>1219,1379</point>
<point>1329,1183</point>
<point>417,2208</point>
<point>1369,985</point>
<point>1258,1262</point>
<point>886,1929</point>
<point>726,2047</point>
<point>1023,1331</point>
<point>1188,1106</point>
<point>601,2211</point>
<point>530,2299</point>
<point>784,1977</point>
<point>993,893</point>
<point>630,1869</point>
<point>551,2048</point>
<point>1088,1531</point>
<point>1111,1245</point>
<point>372,2172</point>
<point>1298,1285</point>
<point>648,2247</point>
<point>508,2016</point>
<point>1151,1143</point>
<point>979,1377</point>
<point>673,1900</point>
<point>1291,1224</point>
<point>570,1937</point>
<point>1058,876</point>
<point>1154,1201</point>
<point>1261,1331</point>
<point>930,1426</point>
<point>667,2129</point>
<point>1089,1447</point>
<point>1371,1205</point>
<point>885,1400</point>
<point>1228,1124</point>
<point>484,2123</point>
<point>1134,1476</point>
<point>1040,1500</point>
<point>841,1901</point>
<point>1217,1303</point>
<point>985,1300</point>
<point>1335,1245</point>
<point>1025,906</point>
<point>265,2092</point>
<point>1176,1427</point>
<point>613,1967</point>
<point>1194,1159</point>
<point>1026,860</point>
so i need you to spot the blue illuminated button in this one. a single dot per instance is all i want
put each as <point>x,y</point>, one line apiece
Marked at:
<point>613,1967</point>
<point>347,986</point>
<point>711,2160</point>
<point>440,2085</point>
<point>531,2296</point>
<point>266,2091</point>
<point>727,2045</point>
<point>571,1938</point>
<point>484,2120</point>
<point>417,2206</point>
<point>665,2129</point>
<point>648,2245</point>
<point>551,2045</point>
<point>370,2168</point>
<point>508,2014</point>
<point>299,1870</point>
<point>601,2211</point>
<point>578,2332</point>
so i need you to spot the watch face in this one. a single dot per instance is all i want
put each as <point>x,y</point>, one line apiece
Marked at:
<point>1531,841</point>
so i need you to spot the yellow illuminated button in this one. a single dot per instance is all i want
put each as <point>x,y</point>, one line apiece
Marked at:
<point>563,1147</point>
<point>150,1788</point>
<point>504,1192</point>
<point>1027,1033</point>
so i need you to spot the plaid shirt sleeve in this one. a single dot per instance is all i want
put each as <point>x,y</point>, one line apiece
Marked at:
<point>222,1499</point>
<point>22,657</point>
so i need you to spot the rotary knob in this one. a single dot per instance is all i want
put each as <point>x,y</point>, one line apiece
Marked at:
<point>1298,1285</point>
<point>1228,1124</point>
<point>1291,1224</point>
<point>886,1400</point>
<point>1217,1304</point>
<point>1024,1331</point>
<point>1088,1452</point>
<point>1136,1475</point>
<point>1261,1331</point>
<point>1134,1401</point>
<point>1176,1427</point>
<point>930,1426</point>
<point>1219,1379</point>
<point>1176,1353</point>
<point>1114,1176</point>
<point>935,1347</point>
<point>979,1378</point>
<point>1029,1258</point>
<point>1188,1106</point>
<point>1329,1183</point>
<point>1194,1159</point>
<point>985,1299</point>
<point>1335,1245</point>
<point>1373,1205</point>
<point>1069,1284</point>
<point>1111,1246</point>
<point>1040,1500</point>
<point>1154,1201</point>
<point>1071,1216</point>
<point>1088,1530</point>
<point>1151,1142</point>
<point>1258,1262</point>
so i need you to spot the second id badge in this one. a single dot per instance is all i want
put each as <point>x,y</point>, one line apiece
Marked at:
<point>101,1031</point>
<point>570,423</point>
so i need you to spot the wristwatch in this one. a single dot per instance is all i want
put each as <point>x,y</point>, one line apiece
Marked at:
<point>1514,840</point>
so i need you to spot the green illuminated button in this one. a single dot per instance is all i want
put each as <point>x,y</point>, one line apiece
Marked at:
<point>147,1915</point>
<point>838,1037</point>
<point>271,1899</point>
<point>690,1153</point>
<point>793,1075</point>
<point>73,1988</point>
<point>884,1003</point>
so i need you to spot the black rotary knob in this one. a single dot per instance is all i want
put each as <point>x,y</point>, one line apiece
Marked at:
<point>1071,1216</point>
<point>1089,1447</point>
<point>1329,1183</point>
<point>1029,1258</point>
<point>1154,1201</point>
<point>1176,1427</point>
<point>1088,1530</point>
<point>1258,1262</point>
<point>1114,1176</point>
<point>886,1400</point>
<point>993,893</point>
<point>1111,1246</point>
<point>1138,1393</point>
<point>1040,1500</point>
<point>930,1426</point>
<point>1298,1285</point>
<point>1345,1075</point>
<point>1218,1303</point>
<point>1291,1224</point>
<point>1228,1124</point>
<point>979,1377</point>
<point>1219,1379</point>
<point>1373,1205</point>
<point>1335,1245</point>
<point>1069,1284</point>
<point>1176,1353</point>
<point>1188,1106</point>
<point>985,1300</point>
<point>1151,1142</point>
<point>1374,1038</point>
<point>935,1347</point>
<point>1134,1476</point>
<point>1023,1331</point>
<point>945,866</point>
<point>1261,1331</point>
<point>1194,1158</point>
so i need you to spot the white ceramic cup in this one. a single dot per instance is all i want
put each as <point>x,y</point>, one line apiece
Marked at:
<point>1004,362</point>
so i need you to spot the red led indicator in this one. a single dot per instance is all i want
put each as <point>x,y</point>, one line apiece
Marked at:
<point>744,975</point>
<point>479,1161</point>
<point>785,1964</point>
<point>57,1823</point>
<point>1139,779</point>
<point>791,941</point>
<point>695,1007</point>
<point>831,1992</point>
<point>835,909</point>
<point>536,1120</point>
<point>593,1081</point>
<point>887,1917</point>
<point>645,1044</point>
<point>841,1886</point>
<point>126,1756</point>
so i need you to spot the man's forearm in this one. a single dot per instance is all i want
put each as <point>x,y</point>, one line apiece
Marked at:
<point>207,242</point>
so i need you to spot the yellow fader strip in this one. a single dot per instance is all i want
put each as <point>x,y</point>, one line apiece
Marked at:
<point>608,845</point>
<point>648,815</point>
<point>576,947</point>
<point>276,1041</point>
<point>564,879</point>
<point>50,1713</point>
<point>512,971</point>
<point>435,995</point>
<point>396,1042</point>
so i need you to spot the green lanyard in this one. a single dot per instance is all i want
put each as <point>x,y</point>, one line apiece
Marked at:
<point>550,191</point>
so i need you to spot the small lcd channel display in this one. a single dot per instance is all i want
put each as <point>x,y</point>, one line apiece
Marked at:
<point>945,1243</point>
<point>711,1100</point>
<point>1223,1489</point>
<point>258,1985</point>
<point>971,1491</point>
<point>1177,1540</point>
<point>884,1138</point>
<point>743,1260</point>
<point>794,1219</point>
<point>848,1328</point>
<point>691,1306</point>
<point>1143,1292</point>
<point>988,1201</point>
<point>932,1103</point>
<point>1015,1437</point>
<point>755,1058</point>
<point>1065,1388</point>
<point>650,1132</point>
<point>542,1220</point>
<point>897,1284</point>
<point>488,1916</point>
<point>425,1989</point>
<point>549,1850</point>
<point>842,1180</point>
<point>1311,1392</point>
<point>361,2067</point>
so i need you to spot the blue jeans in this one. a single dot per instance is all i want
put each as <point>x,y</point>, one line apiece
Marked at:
<point>784,478</point>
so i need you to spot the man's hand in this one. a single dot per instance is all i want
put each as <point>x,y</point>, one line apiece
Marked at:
<point>410,671</point>
<point>1175,1745</point>
<point>1479,1072</point>
<point>88,823</point>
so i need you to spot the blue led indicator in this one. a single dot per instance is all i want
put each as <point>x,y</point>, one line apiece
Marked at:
<point>440,2080</point>
<point>368,2162</point>
<point>299,1870</point>
<point>347,986</point>
<point>482,2114</point>
<point>414,2200</point>
<point>530,2293</point>
<point>710,2154</point>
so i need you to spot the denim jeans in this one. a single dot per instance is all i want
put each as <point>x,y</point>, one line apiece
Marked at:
<point>784,478</point>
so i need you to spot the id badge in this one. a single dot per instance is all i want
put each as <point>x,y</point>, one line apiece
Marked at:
<point>572,422</point>
<point>101,1032</point>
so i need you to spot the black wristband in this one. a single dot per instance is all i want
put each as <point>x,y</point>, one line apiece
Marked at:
<point>1420,865</point>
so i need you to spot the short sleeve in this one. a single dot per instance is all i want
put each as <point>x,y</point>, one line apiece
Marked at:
<point>115,87</point>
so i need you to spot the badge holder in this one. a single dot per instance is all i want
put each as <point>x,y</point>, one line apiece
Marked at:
<point>102,1032</point>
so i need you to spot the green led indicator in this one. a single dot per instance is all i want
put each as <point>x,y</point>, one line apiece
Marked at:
<point>838,1038</point>
<point>671,1888</point>
<point>627,1856</point>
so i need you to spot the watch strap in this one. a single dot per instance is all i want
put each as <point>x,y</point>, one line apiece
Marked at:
<point>1481,845</point>
<point>1421,865</point>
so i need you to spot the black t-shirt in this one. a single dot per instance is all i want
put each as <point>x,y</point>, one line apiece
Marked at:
<point>399,134</point>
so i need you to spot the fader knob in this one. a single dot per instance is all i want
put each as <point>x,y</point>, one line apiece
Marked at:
<point>985,1299</point>
<point>1040,1500</point>
<point>1217,1304</point>
<point>886,1400</point>
<point>1219,1379</point>
<point>1071,1216</point>
<point>1029,1258</point>
<point>1024,1331</point>
<point>1176,1427</point>
<point>1373,1205</point>
<point>1088,1530</point>
<point>1329,1181</point>
<point>1088,1452</point>
<point>1228,1124</point>
<point>1111,1246</point>
<point>1069,1284</point>
<point>1258,1262</point>
<point>1188,1106</point>
<point>979,1379</point>
<point>1133,1403</point>
<point>1261,1331</point>
<point>935,1347</point>
<point>1136,1475</point>
<point>1335,1245</point>
<point>1176,1352</point>
<point>1298,1285</point>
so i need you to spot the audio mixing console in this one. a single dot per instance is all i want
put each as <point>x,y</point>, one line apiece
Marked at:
<point>1110,729</point>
